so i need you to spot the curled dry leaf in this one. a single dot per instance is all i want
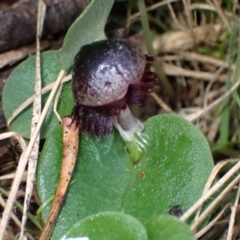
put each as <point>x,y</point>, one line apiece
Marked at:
<point>70,140</point>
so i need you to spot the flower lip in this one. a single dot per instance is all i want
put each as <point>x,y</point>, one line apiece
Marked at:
<point>108,76</point>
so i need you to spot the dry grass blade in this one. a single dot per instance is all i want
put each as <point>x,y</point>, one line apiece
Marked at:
<point>207,90</point>
<point>70,150</point>
<point>203,6</point>
<point>216,201</point>
<point>12,215</point>
<point>222,15</point>
<point>173,15</point>
<point>13,56</point>
<point>233,215</point>
<point>154,6</point>
<point>56,99</point>
<point>32,163</point>
<point>216,171</point>
<point>211,180</point>
<point>211,207</point>
<point>190,20</point>
<point>213,129</point>
<point>161,103</point>
<point>235,6</point>
<point>195,116</point>
<point>12,175</point>
<point>173,70</point>
<point>12,195</point>
<point>214,189</point>
<point>7,135</point>
<point>212,223</point>
<point>193,56</point>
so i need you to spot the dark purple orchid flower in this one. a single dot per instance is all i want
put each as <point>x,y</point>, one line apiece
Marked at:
<point>108,76</point>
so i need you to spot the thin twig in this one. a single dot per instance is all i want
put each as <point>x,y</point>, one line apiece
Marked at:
<point>32,163</point>
<point>70,140</point>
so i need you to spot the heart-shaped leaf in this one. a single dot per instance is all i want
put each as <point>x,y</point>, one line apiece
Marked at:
<point>172,171</point>
<point>108,226</point>
<point>167,227</point>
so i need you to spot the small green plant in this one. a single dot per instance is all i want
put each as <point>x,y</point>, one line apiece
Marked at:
<point>109,188</point>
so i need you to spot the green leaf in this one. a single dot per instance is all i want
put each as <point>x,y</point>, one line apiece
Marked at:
<point>172,171</point>
<point>88,27</point>
<point>20,86</point>
<point>66,101</point>
<point>168,227</point>
<point>108,226</point>
<point>101,177</point>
